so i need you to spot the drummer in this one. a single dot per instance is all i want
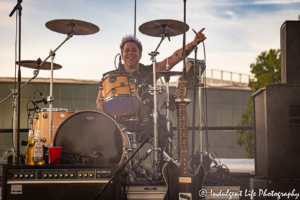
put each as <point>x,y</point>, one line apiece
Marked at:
<point>131,51</point>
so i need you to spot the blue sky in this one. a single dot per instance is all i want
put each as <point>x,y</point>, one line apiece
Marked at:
<point>237,32</point>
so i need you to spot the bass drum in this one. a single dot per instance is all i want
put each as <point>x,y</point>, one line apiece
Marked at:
<point>94,134</point>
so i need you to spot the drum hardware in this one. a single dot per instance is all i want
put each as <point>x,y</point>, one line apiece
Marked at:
<point>100,85</point>
<point>159,28</point>
<point>43,140</point>
<point>113,91</point>
<point>122,84</point>
<point>62,115</point>
<point>16,114</point>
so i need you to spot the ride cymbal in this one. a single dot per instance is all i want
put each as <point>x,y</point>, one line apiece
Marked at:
<point>162,26</point>
<point>34,65</point>
<point>68,26</point>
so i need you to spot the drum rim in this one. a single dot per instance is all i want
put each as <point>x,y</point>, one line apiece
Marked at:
<point>120,95</point>
<point>123,134</point>
<point>59,110</point>
<point>124,73</point>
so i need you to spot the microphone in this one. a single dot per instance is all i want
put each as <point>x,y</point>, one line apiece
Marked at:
<point>43,100</point>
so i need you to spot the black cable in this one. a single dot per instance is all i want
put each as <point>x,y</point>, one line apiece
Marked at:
<point>205,91</point>
<point>115,61</point>
<point>63,158</point>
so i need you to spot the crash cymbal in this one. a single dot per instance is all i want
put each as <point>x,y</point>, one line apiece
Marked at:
<point>34,65</point>
<point>167,74</point>
<point>157,27</point>
<point>67,26</point>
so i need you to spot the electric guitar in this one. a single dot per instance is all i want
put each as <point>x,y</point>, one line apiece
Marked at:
<point>181,185</point>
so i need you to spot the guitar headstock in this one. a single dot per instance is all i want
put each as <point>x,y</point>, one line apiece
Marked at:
<point>182,90</point>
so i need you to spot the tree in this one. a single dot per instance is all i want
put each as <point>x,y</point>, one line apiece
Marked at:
<point>299,17</point>
<point>267,71</point>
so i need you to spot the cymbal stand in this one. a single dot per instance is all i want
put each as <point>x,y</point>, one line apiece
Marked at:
<point>154,92</point>
<point>51,98</point>
<point>14,104</point>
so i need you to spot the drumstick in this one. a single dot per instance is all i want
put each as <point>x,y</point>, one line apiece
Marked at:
<point>196,33</point>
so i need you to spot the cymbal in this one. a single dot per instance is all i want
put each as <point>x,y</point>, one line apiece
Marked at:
<point>34,65</point>
<point>67,26</point>
<point>167,74</point>
<point>157,27</point>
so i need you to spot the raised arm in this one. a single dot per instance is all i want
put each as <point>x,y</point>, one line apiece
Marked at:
<point>177,55</point>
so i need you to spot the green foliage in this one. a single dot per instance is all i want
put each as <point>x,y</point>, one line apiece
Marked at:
<point>299,17</point>
<point>267,71</point>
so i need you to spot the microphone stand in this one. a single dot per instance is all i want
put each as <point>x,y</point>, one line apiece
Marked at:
<point>16,157</point>
<point>122,167</point>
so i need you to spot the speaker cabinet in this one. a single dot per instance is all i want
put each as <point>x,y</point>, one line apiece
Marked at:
<point>277,131</point>
<point>290,51</point>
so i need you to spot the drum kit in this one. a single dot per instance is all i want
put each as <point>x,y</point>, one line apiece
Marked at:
<point>130,109</point>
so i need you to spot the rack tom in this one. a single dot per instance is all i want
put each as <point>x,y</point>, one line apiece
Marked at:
<point>120,93</point>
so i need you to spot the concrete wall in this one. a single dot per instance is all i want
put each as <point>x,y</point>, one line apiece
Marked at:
<point>225,106</point>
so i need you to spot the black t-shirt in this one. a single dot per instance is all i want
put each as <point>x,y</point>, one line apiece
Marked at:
<point>144,74</point>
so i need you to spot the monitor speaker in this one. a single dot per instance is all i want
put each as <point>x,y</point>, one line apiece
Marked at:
<point>277,131</point>
<point>290,51</point>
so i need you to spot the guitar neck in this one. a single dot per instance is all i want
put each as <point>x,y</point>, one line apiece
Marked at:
<point>183,140</point>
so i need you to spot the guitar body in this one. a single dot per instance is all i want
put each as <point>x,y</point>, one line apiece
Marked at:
<point>171,176</point>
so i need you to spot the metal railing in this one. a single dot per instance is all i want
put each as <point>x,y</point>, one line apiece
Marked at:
<point>220,80</point>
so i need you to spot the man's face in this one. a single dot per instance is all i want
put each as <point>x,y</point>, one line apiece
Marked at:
<point>131,55</point>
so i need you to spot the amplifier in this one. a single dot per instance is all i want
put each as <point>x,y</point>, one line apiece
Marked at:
<point>276,132</point>
<point>59,182</point>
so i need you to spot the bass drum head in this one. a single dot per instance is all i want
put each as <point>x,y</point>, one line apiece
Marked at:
<point>93,134</point>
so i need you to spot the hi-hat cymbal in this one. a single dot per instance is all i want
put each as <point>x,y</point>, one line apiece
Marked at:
<point>157,27</point>
<point>167,74</point>
<point>68,26</point>
<point>34,65</point>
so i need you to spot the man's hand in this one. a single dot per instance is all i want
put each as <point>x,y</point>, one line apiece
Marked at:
<point>201,38</point>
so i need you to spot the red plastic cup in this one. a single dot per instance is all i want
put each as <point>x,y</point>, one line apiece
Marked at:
<point>54,153</point>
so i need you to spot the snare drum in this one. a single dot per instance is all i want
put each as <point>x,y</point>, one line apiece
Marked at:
<point>120,93</point>
<point>93,134</point>
<point>58,116</point>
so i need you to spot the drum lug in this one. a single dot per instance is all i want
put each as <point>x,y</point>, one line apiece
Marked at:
<point>62,115</point>
<point>43,140</point>
<point>45,115</point>
<point>122,84</point>
<point>132,80</point>
<point>132,90</point>
<point>100,85</point>
<point>112,79</point>
<point>113,91</point>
